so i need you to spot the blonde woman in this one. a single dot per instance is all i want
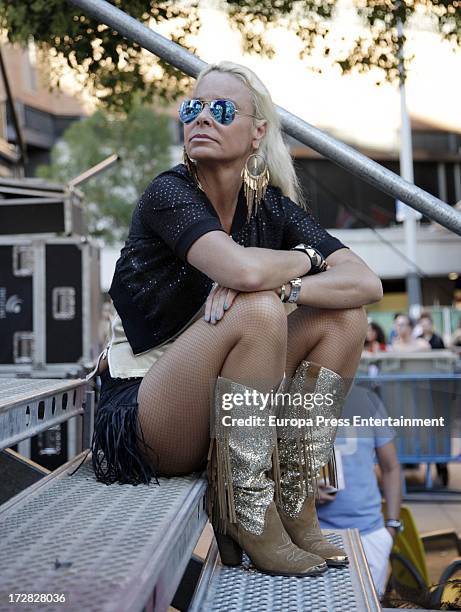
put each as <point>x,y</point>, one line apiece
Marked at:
<point>199,290</point>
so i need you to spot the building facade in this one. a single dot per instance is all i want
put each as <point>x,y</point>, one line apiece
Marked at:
<point>43,114</point>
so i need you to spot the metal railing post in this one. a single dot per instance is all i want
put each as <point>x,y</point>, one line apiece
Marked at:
<point>335,150</point>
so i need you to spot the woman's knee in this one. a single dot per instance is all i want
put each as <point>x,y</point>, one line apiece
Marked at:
<point>260,315</point>
<point>264,307</point>
<point>345,321</point>
<point>352,321</point>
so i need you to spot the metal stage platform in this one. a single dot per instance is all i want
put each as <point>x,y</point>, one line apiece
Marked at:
<point>30,406</point>
<point>225,589</point>
<point>103,548</point>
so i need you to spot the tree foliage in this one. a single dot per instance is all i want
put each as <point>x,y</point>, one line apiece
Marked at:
<point>141,139</point>
<point>380,44</point>
<point>115,69</point>
<point>110,66</point>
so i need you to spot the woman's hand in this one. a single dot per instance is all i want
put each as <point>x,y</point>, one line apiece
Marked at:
<point>219,300</point>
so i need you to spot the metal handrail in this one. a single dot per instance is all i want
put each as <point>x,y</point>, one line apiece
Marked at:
<point>338,152</point>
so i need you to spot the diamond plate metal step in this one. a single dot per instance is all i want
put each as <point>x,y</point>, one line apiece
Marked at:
<point>29,406</point>
<point>241,589</point>
<point>106,548</point>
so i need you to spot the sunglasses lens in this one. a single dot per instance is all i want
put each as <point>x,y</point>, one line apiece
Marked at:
<point>189,110</point>
<point>223,111</point>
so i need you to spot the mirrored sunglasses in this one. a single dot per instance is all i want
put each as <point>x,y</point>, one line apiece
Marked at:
<point>222,111</point>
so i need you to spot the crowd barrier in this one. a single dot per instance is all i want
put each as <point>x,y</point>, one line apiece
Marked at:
<point>419,386</point>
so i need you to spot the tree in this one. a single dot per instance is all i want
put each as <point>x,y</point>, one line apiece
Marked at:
<point>115,69</point>
<point>142,140</point>
<point>111,67</point>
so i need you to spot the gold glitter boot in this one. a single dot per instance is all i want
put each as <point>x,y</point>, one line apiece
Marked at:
<point>241,503</point>
<point>306,454</point>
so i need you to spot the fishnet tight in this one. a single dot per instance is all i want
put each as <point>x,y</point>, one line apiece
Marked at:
<point>332,338</point>
<point>249,346</point>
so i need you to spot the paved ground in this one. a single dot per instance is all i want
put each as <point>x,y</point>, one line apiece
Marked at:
<point>431,516</point>
<point>439,515</point>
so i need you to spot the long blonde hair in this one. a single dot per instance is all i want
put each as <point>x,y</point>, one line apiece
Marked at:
<point>272,148</point>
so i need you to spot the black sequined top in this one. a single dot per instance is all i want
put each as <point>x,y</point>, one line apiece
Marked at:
<point>155,291</point>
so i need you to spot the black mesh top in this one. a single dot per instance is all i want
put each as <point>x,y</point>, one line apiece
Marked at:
<point>155,291</point>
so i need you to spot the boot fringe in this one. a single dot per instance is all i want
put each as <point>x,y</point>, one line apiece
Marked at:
<point>276,473</point>
<point>220,492</point>
<point>312,473</point>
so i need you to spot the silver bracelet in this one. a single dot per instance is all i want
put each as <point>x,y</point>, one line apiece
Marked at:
<point>282,293</point>
<point>295,290</point>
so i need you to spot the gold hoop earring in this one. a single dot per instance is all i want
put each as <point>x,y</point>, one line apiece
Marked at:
<point>191,168</point>
<point>256,177</point>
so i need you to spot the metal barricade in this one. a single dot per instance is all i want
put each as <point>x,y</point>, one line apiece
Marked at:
<point>425,396</point>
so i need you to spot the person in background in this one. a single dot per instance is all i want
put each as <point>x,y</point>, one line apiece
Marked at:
<point>455,343</point>
<point>404,341</point>
<point>393,331</point>
<point>427,326</point>
<point>358,505</point>
<point>375,340</point>
<point>436,342</point>
<point>456,338</point>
